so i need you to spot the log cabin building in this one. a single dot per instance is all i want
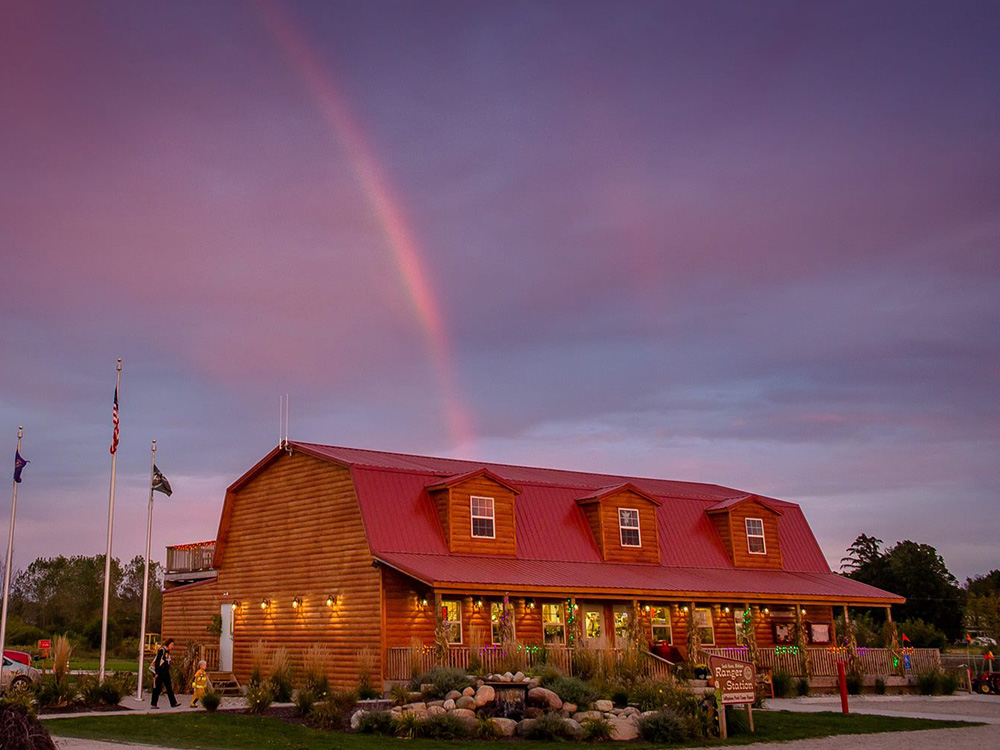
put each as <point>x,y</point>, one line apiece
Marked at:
<point>374,553</point>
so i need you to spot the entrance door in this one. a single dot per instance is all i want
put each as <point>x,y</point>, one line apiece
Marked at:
<point>622,613</point>
<point>226,639</point>
<point>593,624</point>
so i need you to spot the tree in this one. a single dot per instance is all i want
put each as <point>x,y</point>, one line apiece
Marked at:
<point>865,552</point>
<point>984,614</point>
<point>985,584</point>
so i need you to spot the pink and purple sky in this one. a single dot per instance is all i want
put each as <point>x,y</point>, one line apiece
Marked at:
<point>756,244</point>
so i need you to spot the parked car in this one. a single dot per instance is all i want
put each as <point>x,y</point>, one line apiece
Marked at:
<point>984,640</point>
<point>22,656</point>
<point>18,676</point>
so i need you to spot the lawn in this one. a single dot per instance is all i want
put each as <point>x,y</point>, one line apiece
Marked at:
<point>93,664</point>
<point>230,730</point>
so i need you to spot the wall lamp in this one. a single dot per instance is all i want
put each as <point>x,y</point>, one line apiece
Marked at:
<point>478,603</point>
<point>529,603</point>
<point>423,601</point>
<point>296,602</point>
<point>331,600</point>
<point>235,606</point>
<point>265,604</point>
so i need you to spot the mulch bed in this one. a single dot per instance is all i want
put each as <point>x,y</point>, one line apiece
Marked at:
<point>79,709</point>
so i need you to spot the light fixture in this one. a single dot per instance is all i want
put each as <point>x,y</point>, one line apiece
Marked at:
<point>767,611</point>
<point>296,602</point>
<point>530,603</point>
<point>648,608</point>
<point>478,603</point>
<point>803,610</point>
<point>423,601</point>
<point>265,603</point>
<point>685,609</point>
<point>235,606</point>
<point>726,610</point>
<point>330,600</point>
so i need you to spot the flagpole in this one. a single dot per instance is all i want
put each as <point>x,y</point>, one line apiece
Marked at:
<point>107,556</point>
<point>10,555</point>
<point>145,573</point>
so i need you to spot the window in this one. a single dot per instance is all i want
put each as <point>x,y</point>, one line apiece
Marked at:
<point>553,627</point>
<point>706,629</point>
<point>621,624</point>
<point>451,612</point>
<point>755,536</point>
<point>660,619</point>
<point>496,622</point>
<point>592,624</point>
<point>628,527</point>
<point>482,517</point>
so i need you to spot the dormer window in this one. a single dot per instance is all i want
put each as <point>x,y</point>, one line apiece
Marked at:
<point>755,536</point>
<point>483,525</point>
<point>628,527</point>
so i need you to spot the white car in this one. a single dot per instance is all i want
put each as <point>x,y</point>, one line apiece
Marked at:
<point>984,640</point>
<point>18,676</point>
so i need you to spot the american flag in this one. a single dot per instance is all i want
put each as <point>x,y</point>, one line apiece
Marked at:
<point>114,421</point>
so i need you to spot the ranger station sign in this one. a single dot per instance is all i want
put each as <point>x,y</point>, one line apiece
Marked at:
<point>737,680</point>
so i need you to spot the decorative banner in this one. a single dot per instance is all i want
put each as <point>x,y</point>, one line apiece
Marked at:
<point>737,680</point>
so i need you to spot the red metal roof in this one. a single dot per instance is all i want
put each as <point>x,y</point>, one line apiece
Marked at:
<point>555,546</point>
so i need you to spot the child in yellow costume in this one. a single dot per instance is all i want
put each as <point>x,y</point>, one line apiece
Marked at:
<point>199,683</point>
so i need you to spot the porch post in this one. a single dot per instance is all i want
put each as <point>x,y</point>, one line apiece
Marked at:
<point>895,654</point>
<point>802,643</point>
<point>440,636</point>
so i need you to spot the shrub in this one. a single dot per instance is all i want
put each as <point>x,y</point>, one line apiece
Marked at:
<point>596,730</point>
<point>399,695</point>
<point>697,714</point>
<point>211,700</point>
<point>259,697</point>
<point>97,693</point>
<point>929,682</point>
<point>549,726</point>
<point>802,686</point>
<point>485,729</point>
<point>442,680</point>
<point>304,700</point>
<point>61,652</point>
<point>586,663</point>
<point>737,721</point>
<point>781,681</point>
<point>313,671</point>
<point>664,727</point>
<point>547,675</point>
<point>574,690</point>
<point>649,696</point>
<point>619,696</point>
<point>20,728</point>
<point>406,726</point>
<point>376,722</point>
<point>854,680</point>
<point>879,686</point>
<point>442,727</point>
<point>366,661</point>
<point>949,683</point>
<point>52,691</point>
<point>281,675</point>
<point>258,663</point>
<point>332,712</point>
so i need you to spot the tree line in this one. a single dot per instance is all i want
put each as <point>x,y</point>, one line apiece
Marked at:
<point>65,595</point>
<point>938,610</point>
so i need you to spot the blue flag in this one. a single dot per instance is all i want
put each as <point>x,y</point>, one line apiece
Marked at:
<point>19,464</point>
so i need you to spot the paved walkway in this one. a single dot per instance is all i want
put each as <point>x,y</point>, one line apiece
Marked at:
<point>134,707</point>
<point>962,707</point>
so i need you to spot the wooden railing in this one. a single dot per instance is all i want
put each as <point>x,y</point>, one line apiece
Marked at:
<point>403,663</point>
<point>873,661</point>
<point>210,654</point>
<point>187,558</point>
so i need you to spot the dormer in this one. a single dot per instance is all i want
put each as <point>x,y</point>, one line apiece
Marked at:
<point>477,512</point>
<point>623,521</point>
<point>748,527</point>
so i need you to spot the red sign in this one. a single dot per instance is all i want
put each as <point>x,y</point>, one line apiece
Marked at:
<point>737,679</point>
<point>44,645</point>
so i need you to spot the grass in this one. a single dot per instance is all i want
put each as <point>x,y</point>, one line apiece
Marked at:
<point>93,664</point>
<point>229,730</point>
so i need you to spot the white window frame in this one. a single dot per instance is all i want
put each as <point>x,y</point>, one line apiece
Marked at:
<point>622,527</point>
<point>492,517</point>
<point>452,623</point>
<point>711,624</point>
<point>661,622</point>
<point>763,541</point>
<point>560,621</point>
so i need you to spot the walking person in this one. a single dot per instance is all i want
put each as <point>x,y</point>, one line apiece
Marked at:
<point>161,674</point>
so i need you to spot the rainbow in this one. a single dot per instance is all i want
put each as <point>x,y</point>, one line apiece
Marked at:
<point>400,239</point>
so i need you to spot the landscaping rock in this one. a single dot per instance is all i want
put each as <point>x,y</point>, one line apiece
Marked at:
<point>545,697</point>
<point>436,711</point>
<point>485,695</point>
<point>533,682</point>
<point>574,727</point>
<point>571,708</point>
<point>506,727</point>
<point>468,691</point>
<point>464,713</point>
<point>624,730</point>
<point>533,712</point>
<point>449,705</point>
<point>466,701</point>
<point>523,726</point>
<point>506,677</point>
<point>604,706</point>
<point>579,716</point>
<point>414,707</point>
<point>630,711</point>
<point>356,719</point>
<point>648,713</point>
<point>518,677</point>
<point>453,695</point>
<point>434,703</point>
<point>480,683</point>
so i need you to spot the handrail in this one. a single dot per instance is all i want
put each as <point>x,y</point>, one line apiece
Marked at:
<point>659,658</point>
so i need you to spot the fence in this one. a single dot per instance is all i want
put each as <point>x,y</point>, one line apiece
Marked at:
<point>873,661</point>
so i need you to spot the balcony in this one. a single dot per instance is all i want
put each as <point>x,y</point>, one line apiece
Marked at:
<point>188,563</point>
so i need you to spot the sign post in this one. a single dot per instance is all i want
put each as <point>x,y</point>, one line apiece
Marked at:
<point>735,683</point>
<point>842,681</point>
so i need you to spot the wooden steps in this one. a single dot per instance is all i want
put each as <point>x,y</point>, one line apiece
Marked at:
<point>225,683</point>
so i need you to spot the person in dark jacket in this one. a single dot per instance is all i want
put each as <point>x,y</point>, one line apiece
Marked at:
<point>161,674</point>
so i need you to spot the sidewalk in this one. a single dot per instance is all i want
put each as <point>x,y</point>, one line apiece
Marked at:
<point>132,707</point>
<point>963,707</point>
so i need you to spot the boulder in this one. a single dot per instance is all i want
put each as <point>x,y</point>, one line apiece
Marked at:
<point>574,727</point>
<point>579,716</point>
<point>570,707</point>
<point>464,713</point>
<point>604,706</point>
<point>545,697</point>
<point>485,695</point>
<point>356,719</point>
<point>436,711</point>
<point>425,687</point>
<point>480,682</point>
<point>434,703</point>
<point>506,677</point>
<point>453,695</point>
<point>533,712</point>
<point>649,713</point>
<point>414,707</point>
<point>630,711</point>
<point>523,726</point>
<point>518,677</point>
<point>468,691</point>
<point>506,727</point>
<point>624,730</point>
<point>466,701</point>
<point>533,682</point>
<point>449,705</point>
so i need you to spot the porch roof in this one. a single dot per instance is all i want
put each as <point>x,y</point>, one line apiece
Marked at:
<point>537,577</point>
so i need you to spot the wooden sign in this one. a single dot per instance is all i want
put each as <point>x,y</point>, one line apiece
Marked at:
<point>737,680</point>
